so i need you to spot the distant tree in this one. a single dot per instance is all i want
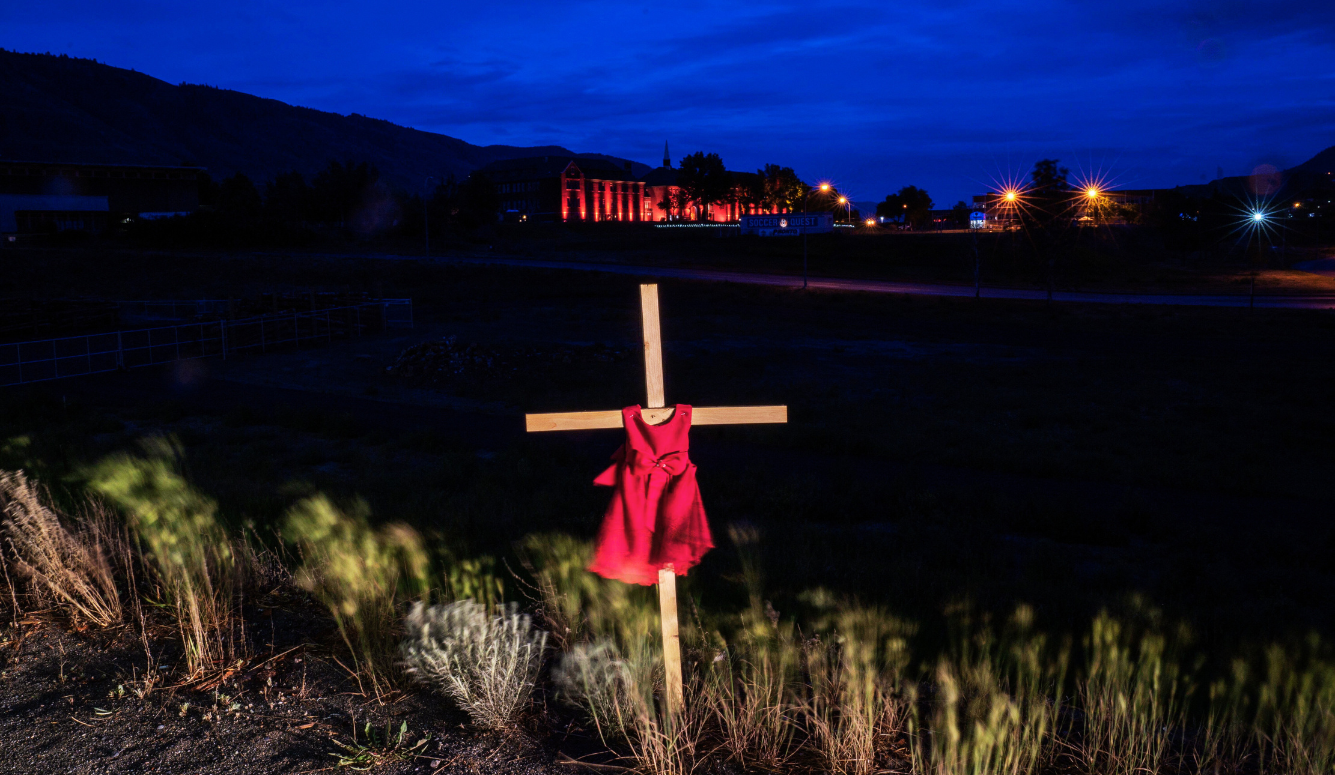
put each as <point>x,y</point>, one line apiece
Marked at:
<point>237,196</point>
<point>753,193</point>
<point>893,207</point>
<point>287,198</point>
<point>1177,219</point>
<point>1048,199</point>
<point>959,215</point>
<point>911,203</point>
<point>1048,209</point>
<point>444,201</point>
<point>339,190</point>
<point>478,201</point>
<point>208,190</point>
<point>704,181</point>
<point>1048,177</point>
<point>784,189</point>
<point>677,203</point>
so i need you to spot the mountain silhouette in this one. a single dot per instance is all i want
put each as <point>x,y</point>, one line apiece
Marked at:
<point>65,109</point>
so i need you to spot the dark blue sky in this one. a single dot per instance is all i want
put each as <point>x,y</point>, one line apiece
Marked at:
<point>947,95</point>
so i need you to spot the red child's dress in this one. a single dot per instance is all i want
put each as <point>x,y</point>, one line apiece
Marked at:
<point>655,518</point>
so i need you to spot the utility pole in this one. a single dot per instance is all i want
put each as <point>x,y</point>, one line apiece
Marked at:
<point>977,264</point>
<point>804,241</point>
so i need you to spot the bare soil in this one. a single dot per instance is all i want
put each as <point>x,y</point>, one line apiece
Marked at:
<point>70,703</point>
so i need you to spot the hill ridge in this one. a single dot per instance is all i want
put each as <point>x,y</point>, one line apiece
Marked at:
<point>78,110</point>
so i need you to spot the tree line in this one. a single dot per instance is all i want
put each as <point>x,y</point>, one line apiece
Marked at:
<point>703,181</point>
<point>349,195</point>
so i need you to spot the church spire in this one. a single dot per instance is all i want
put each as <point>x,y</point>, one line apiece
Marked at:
<point>667,159</point>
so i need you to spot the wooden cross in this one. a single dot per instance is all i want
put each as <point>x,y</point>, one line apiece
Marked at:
<point>655,413</point>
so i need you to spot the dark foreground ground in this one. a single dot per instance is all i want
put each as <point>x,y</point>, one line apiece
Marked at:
<point>79,703</point>
<point>939,451</point>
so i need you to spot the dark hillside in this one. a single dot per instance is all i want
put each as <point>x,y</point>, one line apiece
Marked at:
<point>79,110</point>
<point>1316,171</point>
<point>1321,164</point>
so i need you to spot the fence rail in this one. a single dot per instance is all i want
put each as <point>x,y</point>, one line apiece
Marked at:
<point>73,356</point>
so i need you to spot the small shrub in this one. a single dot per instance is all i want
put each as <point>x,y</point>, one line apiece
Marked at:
<point>487,663</point>
<point>185,545</point>
<point>594,678</point>
<point>376,749</point>
<point>359,574</point>
<point>72,568</point>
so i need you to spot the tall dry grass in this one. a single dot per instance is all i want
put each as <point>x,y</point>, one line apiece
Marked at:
<point>1134,697</point>
<point>70,565</point>
<point>621,696</point>
<point>578,606</point>
<point>362,575</point>
<point>751,687</point>
<point>992,703</point>
<point>1294,724</point>
<point>193,568</point>
<point>858,696</point>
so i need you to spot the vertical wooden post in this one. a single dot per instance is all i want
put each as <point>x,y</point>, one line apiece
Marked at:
<point>667,577</point>
<point>667,605</point>
<point>653,346</point>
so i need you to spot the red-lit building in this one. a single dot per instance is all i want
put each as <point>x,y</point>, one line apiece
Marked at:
<point>662,191</point>
<point>577,188</point>
<point>568,188</point>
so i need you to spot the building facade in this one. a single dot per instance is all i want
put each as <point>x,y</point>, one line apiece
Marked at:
<point>573,189</point>
<point>567,189</point>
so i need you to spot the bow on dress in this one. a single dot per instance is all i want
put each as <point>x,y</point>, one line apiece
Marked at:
<point>655,519</point>
<point>656,472</point>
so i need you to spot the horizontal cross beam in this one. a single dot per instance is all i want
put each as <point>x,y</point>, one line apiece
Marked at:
<point>703,415</point>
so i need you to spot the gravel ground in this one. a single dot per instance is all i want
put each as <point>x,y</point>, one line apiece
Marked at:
<point>70,702</point>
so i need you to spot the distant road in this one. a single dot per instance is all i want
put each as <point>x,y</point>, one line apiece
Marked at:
<point>886,286</point>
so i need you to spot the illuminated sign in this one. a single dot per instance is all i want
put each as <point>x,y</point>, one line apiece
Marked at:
<point>787,224</point>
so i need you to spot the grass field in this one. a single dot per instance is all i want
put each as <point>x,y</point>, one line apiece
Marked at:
<point>942,454</point>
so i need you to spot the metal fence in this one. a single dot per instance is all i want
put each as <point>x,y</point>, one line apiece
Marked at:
<point>73,356</point>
